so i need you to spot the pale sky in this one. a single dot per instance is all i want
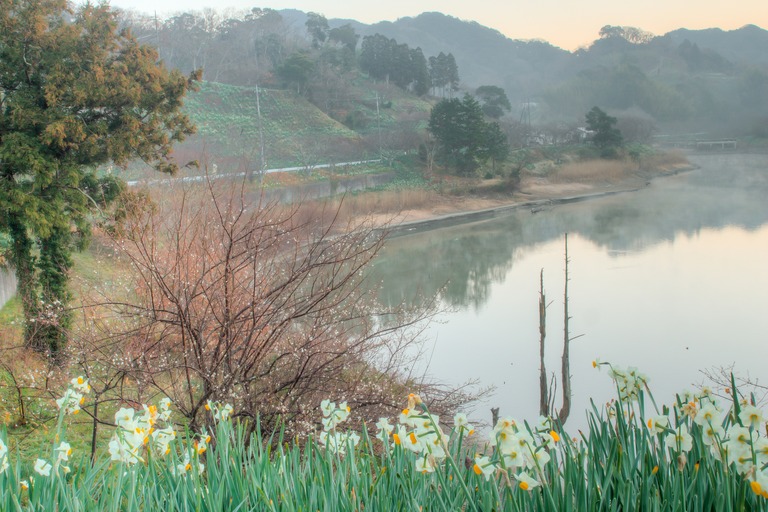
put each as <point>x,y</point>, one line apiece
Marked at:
<point>565,23</point>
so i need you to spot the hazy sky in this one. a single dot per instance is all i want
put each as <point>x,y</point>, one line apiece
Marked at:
<point>565,23</point>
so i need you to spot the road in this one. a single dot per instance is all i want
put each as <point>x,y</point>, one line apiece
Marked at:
<point>190,179</point>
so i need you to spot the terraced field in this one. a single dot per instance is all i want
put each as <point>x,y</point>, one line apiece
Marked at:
<point>295,131</point>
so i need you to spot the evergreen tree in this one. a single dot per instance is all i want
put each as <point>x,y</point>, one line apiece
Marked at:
<point>606,136</point>
<point>74,93</point>
<point>452,72</point>
<point>419,73</point>
<point>494,99</point>
<point>296,71</point>
<point>376,56</point>
<point>495,145</point>
<point>464,138</point>
<point>385,59</point>
<point>317,27</point>
<point>345,35</point>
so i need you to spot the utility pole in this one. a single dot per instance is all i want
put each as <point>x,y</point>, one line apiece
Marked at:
<point>378,121</point>
<point>262,164</point>
<point>525,122</point>
<point>157,34</point>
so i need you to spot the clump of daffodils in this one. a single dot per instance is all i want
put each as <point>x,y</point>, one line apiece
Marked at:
<point>69,403</point>
<point>74,396</point>
<point>732,436</point>
<point>629,381</point>
<point>331,438</point>
<point>519,451</point>
<point>137,430</point>
<point>420,432</point>
<point>221,412</point>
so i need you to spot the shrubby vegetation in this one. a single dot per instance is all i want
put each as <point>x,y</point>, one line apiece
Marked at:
<point>257,304</point>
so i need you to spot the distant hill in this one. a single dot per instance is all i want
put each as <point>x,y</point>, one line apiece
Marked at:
<point>318,104</point>
<point>746,45</point>
<point>484,55</point>
<point>684,79</point>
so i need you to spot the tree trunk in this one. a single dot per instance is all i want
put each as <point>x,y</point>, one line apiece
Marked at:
<point>543,392</point>
<point>565,410</point>
<point>54,265</point>
<point>24,264</point>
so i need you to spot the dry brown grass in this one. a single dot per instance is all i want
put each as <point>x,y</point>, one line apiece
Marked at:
<point>665,161</point>
<point>593,171</point>
<point>390,201</point>
<point>366,204</point>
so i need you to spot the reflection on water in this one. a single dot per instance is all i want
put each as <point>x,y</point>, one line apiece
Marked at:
<point>671,279</point>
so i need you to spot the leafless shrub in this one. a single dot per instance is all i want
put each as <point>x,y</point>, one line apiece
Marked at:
<point>261,305</point>
<point>749,387</point>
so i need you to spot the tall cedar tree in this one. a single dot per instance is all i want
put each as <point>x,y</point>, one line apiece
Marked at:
<point>74,93</point>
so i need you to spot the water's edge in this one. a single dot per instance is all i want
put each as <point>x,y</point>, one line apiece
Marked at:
<point>452,219</point>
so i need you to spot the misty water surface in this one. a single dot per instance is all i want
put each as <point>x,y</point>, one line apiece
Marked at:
<point>671,279</point>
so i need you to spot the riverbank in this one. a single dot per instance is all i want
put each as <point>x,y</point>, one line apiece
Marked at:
<point>537,190</point>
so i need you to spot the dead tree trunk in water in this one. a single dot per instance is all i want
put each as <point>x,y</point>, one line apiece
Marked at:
<point>543,393</point>
<point>565,410</point>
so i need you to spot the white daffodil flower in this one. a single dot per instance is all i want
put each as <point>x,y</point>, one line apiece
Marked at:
<point>680,440</point>
<point>526,482</point>
<point>42,467</point>
<point>483,466</point>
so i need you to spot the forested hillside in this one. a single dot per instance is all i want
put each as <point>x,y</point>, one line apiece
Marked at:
<point>338,89</point>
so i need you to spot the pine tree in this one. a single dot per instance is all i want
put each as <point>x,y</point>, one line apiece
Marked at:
<point>464,138</point>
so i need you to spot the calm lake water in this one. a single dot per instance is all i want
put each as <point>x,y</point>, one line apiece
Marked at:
<point>672,279</point>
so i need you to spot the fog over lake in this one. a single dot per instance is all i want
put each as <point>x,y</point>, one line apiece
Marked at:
<point>671,279</point>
